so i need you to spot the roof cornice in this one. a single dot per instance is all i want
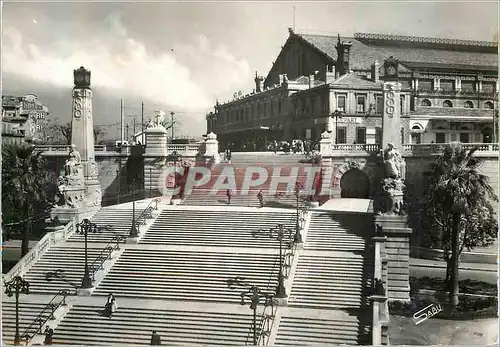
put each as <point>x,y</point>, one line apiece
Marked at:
<point>421,39</point>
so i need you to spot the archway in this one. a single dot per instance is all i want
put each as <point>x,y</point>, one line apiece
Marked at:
<point>355,184</point>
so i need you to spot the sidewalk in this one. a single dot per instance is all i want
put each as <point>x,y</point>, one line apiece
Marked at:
<point>425,263</point>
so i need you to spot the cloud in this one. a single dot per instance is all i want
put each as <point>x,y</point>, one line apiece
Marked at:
<point>188,77</point>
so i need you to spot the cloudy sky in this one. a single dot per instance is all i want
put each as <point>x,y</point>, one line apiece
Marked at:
<point>183,56</point>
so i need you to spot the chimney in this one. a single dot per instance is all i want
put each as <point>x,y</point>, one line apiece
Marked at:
<point>281,80</point>
<point>330,74</point>
<point>311,81</point>
<point>376,72</point>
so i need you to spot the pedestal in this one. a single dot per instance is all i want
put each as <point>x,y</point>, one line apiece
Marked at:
<point>397,248</point>
<point>212,148</point>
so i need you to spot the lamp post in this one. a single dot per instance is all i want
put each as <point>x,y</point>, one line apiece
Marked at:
<point>255,294</point>
<point>337,114</point>
<point>15,287</point>
<point>133,229</point>
<point>280,232</point>
<point>84,228</point>
<point>298,236</point>
<point>172,124</point>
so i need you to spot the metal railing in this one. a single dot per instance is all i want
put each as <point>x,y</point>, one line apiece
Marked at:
<point>49,239</point>
<point>266,323</point>
<point>147,213</point>
<point>105,254</point>
<point>46,314</point>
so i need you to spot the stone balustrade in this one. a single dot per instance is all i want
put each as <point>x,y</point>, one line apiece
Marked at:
<point>412,149</point>
<point>183,148</point>
<point>380,305</point>
<point>49,239</point>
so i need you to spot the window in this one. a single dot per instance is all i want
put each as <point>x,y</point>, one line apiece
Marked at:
<point>360,103</point>
<point>361,135</point>
<point>488,105</point>
<point>402,103</point>
<point>425,102</point>
<point>447,103</point>
<point>440,137</point>
<point>448,86</point>
<point>341,103</point>
<point>464,137</point>
<point>380,104</point>
<point>488,87</point>
<point>341,135</point>
<point>378,135</point>
<point>468,104</point>
<point>468,86</point>
<point>416,138</point>
<point>425,85</point>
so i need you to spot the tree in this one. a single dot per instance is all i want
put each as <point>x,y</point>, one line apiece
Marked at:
<point>457,212</point>
<point>99,131</point>
<point>62,129</point>
<point>28,188</point>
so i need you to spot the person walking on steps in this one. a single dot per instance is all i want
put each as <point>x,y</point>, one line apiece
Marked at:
<point>261,198</point>
<point>155,339</point>
<point>229,194</point>
<point>49,332</point>
<point>111,306</point>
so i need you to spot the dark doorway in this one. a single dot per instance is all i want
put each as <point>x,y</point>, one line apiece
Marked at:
<point>355,184</point>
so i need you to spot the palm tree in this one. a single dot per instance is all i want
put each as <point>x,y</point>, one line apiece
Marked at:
<point>458,189</point>
<point>27,188</point>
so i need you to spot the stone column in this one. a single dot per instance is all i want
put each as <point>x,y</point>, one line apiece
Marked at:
<point>154,157</point>
<point>212,148</point>
<point>391,121</point>
<point>82,136</point>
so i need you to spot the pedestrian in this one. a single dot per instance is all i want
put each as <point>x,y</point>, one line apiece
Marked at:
<point>261,198</point>
<point>113,307</point>
<point>48,335</point>
<point>108,309</point>
<point>228,194</point>
<point>155,339</point>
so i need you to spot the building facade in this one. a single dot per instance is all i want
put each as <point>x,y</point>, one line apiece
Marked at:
<point>24,119</point>
<point>318,83</point>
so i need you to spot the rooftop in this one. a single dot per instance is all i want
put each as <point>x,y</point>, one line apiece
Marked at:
<point>366,48</point>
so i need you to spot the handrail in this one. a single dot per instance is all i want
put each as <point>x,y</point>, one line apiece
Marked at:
<point>32,330</point>
<point>49,239</point>
<point>271,276</point>
<point>146,213</point>
<point>266,324</point>
<point>105,255</point>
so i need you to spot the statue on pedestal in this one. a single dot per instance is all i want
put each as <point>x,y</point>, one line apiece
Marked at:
<point>71,186</point>
<point>390,198</point>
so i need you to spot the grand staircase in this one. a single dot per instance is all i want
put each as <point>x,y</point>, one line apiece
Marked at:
<point>174,279</point>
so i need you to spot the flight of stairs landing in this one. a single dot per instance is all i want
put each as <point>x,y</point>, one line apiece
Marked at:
<point>27,313</point>
<point>332,283</point>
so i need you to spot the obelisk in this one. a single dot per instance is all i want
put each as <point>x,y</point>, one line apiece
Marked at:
<point>82,136</point>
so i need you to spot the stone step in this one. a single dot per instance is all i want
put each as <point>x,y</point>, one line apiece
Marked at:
<point>311,331</point>
<point>84,325</point>
<point>120,221</point>
<point>187,275</point>
<point>69,259</point>
<point>27,313</point>
<point>216,228</point>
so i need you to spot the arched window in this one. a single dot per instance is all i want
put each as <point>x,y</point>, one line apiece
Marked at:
<point>488,105</point>
<point>425,102</point>
<point>416,127</point>
<point>447,103</point>
<point>468,104</point>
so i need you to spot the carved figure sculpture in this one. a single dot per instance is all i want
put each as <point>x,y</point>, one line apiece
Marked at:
<point>75,160</point>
